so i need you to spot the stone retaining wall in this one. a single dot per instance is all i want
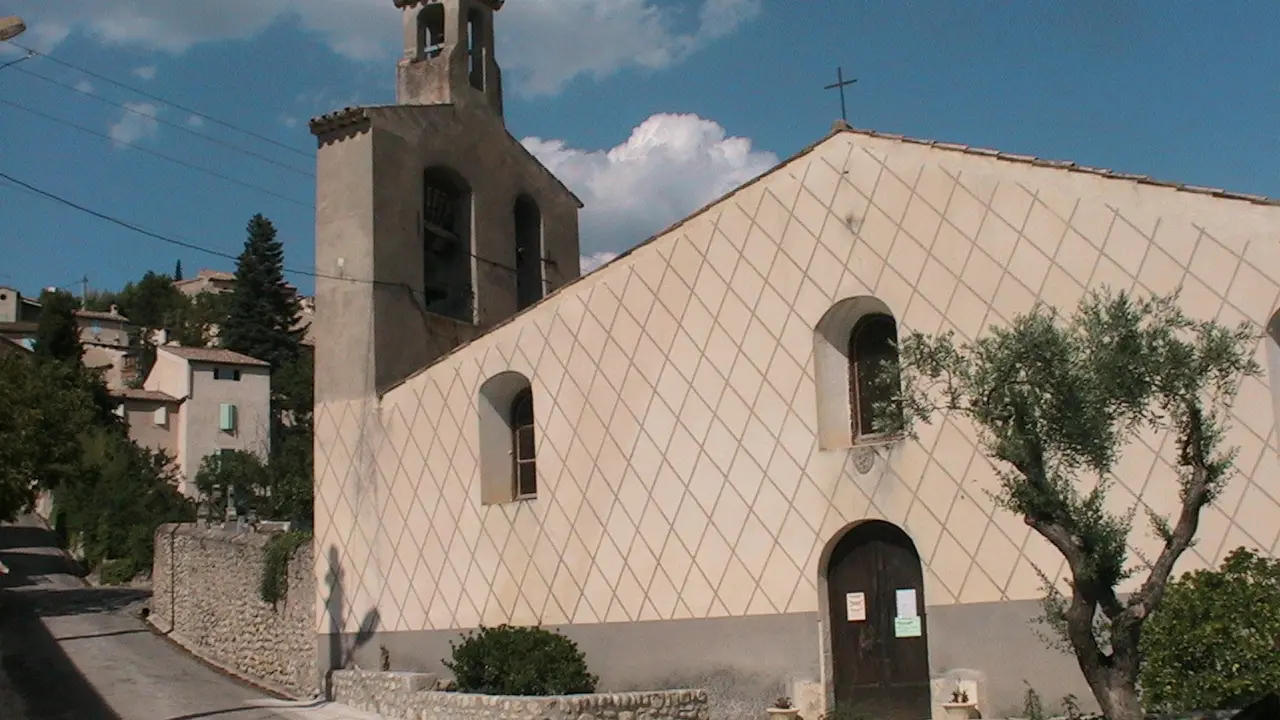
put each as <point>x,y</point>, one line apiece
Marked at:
<point>413,696</point>
<point>205,596</point>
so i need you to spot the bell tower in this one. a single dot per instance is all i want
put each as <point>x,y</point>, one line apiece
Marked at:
<point>433,222</point>
<point>448,54</point>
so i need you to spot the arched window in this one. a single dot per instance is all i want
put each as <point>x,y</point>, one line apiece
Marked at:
<point>529,283</point>
<point>524,471</point>
<point>446,221</point>
<point>508,469</point>
<point>872,356</point>
<point>430,31</point>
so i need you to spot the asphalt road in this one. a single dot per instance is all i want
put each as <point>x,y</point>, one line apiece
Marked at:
<point>68,651</point>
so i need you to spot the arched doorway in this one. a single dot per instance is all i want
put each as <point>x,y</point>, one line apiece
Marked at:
<point>879,633</point>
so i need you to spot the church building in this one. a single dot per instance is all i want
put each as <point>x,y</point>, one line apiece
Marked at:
<point>669,458</point>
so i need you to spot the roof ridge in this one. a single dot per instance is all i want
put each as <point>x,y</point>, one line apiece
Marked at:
<point>1068,165</point>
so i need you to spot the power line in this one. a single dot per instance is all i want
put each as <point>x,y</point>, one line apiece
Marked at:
<point>181,243</point>
<point>160,155</point>
<point>157,98</point>
<point>11,63</point>
<point>178,126</point>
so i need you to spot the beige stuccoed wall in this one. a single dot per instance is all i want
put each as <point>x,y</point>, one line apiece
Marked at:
<point>197,425</point>
<point>679,471</point>
<point>365,235</point>
<point>139,416</point>
<point>252,397</point>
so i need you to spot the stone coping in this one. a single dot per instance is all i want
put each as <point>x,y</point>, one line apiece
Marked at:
<point>414,695</point>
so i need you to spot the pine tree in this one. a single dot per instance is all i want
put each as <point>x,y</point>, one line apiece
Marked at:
<point>262,309</point>
<point>57,335</point>
<point>261,314</point>
<point>177,272</point>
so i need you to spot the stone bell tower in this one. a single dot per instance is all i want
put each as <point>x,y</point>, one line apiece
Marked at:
<point>448,53</point>
<point>433,223</point>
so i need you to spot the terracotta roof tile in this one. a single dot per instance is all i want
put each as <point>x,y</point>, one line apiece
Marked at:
<point>212,355</point>
<point>1063,165</point>
<point>139,394</point>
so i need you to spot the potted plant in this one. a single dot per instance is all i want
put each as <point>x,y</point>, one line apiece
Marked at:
<point>960,707</point>
<point>782,709</point>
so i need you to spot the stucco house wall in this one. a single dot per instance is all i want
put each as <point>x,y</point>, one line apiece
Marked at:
<point>156,431</point>
<point>681,482</point>
<point>187,374</point>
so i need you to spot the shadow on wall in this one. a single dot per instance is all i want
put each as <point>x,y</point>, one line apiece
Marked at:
<point>341,652</point>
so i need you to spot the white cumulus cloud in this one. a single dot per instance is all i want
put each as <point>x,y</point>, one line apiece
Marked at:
<point>543,44</point>
<point>669,167</point>
<point>137,121</point>
<point>146,72</point>
<point>84,86</point>
<point>596,260</point>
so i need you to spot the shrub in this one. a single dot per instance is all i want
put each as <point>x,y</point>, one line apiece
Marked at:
<point>519,661</point>
<point>117,572</point>
<point>1212,644</point>
<point>275,564</point>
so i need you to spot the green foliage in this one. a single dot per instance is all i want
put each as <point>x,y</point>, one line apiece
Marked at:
<point>275,564</point>
<point>44,407</point>
<point>197,316</point>
<point>1032,708</point>
<point>100,300</point>
<point>124,492</point>
<point>177,272</point>
<point>117,572</point>
<point>519,661</point>
<point>291,475</point>
<point>57,335</point>
<point>241,474</point>
<point>262,311</point>
<point>152,303</point>
<point>1212,643</point>
<point>1056,399</point>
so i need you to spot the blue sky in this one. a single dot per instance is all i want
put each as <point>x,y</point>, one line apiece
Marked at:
<point>661,106</point>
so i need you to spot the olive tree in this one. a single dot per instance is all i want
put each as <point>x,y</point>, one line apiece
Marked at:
<point>1056,398</point>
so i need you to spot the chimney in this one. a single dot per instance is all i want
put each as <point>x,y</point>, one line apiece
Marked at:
<point>114,309</point>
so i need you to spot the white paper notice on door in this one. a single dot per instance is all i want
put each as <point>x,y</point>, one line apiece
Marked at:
<point>855,605</point>
<point>906,603</point>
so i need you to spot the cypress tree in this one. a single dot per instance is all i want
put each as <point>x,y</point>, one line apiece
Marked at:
<point>177,272</point>
<point>57,335</point>
<point>262,310</point>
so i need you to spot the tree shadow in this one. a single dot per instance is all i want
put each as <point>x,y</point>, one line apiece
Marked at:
<point>25,568</point>
<point>40,672</point>
<point>342,649</point>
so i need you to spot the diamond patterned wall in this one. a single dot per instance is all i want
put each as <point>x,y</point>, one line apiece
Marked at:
<point>679,471</point>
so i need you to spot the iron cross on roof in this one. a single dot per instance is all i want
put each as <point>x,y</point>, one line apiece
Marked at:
<point>840,84</point>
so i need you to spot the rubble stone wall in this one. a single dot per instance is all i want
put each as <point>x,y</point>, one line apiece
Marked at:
<point>206,597</point>
<point>413,695</point>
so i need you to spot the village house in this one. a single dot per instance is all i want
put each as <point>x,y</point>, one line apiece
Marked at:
<point>110,341</point>
<point>667,459</point>
<point>198,402</point>
<point>219,282</point>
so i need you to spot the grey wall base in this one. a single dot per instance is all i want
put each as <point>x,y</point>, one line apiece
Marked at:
<point>746,663</point>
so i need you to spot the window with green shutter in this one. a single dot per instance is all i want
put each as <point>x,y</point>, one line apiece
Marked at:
<point>227,417</point>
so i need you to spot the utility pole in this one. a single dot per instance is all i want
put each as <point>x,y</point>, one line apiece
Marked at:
<point>84,293</point>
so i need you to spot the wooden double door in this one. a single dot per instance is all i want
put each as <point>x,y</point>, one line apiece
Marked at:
<point>879,633</point>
